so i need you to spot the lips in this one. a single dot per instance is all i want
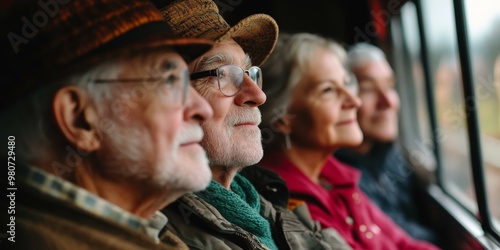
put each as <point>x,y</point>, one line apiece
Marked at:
<point>246,124</point>
<point>190,143</point>
<point>243,117</point>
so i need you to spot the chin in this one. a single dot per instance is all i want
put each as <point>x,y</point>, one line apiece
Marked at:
<point>388,136</point>
<point>199,175</point>
<point>351,140</point>
<point>248,154</point>
<point>249,151</point>
<point>201,181</point>
<point>350,143</point>
<point>189,172</point>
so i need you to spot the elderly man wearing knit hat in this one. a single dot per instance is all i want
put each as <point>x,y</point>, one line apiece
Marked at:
<point>230,213</point>
<point>103,126</point>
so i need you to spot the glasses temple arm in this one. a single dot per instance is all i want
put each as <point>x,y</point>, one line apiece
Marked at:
<point>202,74</point>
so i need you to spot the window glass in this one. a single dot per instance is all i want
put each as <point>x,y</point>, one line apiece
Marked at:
<point>444,60</point>
<point>483,20</point>
<point>416,75</point>
<point>416,133</point>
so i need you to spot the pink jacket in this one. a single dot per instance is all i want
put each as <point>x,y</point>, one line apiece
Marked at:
<point>339,203</point>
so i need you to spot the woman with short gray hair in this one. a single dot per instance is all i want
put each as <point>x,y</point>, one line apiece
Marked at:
<point>310,113</point>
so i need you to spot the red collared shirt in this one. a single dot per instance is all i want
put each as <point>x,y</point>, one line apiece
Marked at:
<point>339,203</point>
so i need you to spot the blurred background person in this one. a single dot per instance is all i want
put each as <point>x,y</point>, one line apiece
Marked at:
<point>105,122</point>
<point>311,109</point>
<point>386,175</point>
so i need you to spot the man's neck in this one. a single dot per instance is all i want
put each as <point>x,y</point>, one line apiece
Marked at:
<point>309,161</point>
<point>224,175</point>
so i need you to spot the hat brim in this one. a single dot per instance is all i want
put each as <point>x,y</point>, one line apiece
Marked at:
<point>137,41</point>
<point>147,38</point>
<point>256,34</point>
<point>152,36</point>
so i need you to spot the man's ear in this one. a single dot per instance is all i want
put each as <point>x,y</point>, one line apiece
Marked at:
<point>76,118</point>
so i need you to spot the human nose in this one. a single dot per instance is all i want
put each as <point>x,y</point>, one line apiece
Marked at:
<point>351,100</point>
<point>197,108</point>
<point>250,94</point>
<point>385,98</point>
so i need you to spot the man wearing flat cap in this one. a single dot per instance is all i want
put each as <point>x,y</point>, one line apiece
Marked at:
<point>230,213</point>
<point>103,126</point>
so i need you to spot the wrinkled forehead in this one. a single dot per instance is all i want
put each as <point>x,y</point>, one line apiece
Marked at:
<point>374,70</point>
<point>223,53</point>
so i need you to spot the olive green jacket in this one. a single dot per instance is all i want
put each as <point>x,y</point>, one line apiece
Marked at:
<point>201,226</point>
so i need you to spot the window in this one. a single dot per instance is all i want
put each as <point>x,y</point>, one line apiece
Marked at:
<point>414,114</point>
<point>411,39</point>
<point>456,175</point>
<point>483,20</point>
<point>413,77</point>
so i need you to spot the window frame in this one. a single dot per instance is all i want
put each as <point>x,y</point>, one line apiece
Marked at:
<point>438,191</point>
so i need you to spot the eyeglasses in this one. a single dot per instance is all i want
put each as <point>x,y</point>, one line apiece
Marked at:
<point>230,77</point>
<point>169,86</point>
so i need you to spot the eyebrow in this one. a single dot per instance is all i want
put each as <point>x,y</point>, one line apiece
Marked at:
<point>330,81</point>
<point>363,79</point>
<point>247,63</point>
<point>209,62</point>
<point>162,68</point>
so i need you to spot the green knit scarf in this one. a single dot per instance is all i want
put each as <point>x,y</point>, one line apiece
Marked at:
<point>240,207</point>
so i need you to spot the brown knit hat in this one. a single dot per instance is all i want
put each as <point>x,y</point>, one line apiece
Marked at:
<point>256,34</point>
<point>45,41</point>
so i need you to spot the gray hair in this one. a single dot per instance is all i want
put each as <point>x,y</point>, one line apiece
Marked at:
<point>362,53</point>
<point>285,68</point>
<point>31,120</point>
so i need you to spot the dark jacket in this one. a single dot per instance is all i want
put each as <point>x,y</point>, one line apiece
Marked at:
<point>201,226</point>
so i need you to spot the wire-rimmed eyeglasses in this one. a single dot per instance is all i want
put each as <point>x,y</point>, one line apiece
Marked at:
<point>230,77</point>
<point>174,87</point>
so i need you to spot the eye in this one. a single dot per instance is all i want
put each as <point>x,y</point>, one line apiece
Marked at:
<point>222,74</point>
<point>366,89</point>
<point>329,89</point>
<point>170,80</point>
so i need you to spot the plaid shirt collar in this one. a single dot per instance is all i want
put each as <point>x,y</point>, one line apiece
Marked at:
<point>68,192</point>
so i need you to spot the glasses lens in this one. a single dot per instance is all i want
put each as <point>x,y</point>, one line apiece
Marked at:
<point>256,75</point>
<point>230,79</point>
<point>175,89</point>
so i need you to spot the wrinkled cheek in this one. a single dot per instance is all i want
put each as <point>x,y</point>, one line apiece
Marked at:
<point>164,134</point>
<point>214,128</point>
